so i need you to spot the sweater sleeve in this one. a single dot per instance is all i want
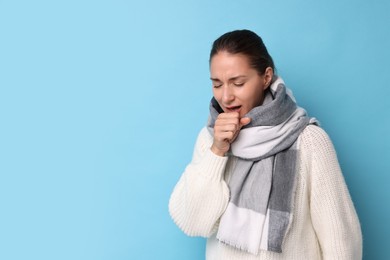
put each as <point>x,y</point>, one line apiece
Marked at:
<point>201,195</point>
<point>333,215</point>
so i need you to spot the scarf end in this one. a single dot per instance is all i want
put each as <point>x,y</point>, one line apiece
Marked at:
<point>240,247</point>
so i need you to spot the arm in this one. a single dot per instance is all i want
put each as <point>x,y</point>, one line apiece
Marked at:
<point>333,214</point>
<point>201,195</point>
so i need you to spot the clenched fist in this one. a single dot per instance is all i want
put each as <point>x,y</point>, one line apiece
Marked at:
<point>226,129</point>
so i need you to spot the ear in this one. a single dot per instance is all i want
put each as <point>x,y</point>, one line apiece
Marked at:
<point>268,75</point>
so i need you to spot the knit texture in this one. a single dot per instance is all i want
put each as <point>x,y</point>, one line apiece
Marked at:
<point>325,224</point>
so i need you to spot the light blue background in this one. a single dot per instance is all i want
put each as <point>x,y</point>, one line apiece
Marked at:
<point>101,102</point>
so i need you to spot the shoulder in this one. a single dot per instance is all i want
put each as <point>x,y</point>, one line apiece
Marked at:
<point>316,147</point>
<point>318,155</point>
<point>314,131</point>
<point>204,136</point>
<point>314,137</point>
<point>205,133</point>
<point>203,141</point>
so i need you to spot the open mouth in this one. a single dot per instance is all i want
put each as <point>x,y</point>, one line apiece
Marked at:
<point>233,108</point>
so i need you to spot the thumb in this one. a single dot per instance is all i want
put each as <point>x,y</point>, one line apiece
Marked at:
<point>245,121</point>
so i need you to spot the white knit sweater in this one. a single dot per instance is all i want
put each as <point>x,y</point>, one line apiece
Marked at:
<point>324,226</point>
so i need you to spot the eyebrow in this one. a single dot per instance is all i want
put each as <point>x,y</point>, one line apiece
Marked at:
<point>232,78</point>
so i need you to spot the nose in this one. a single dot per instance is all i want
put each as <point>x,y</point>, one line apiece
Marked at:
<point>227,95</point>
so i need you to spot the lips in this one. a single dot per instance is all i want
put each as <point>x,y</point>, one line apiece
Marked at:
<point>233,108</point>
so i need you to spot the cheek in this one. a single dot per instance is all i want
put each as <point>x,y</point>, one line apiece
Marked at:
<point>254,98</point>
<point>215,94</point>
<point>251,103</point>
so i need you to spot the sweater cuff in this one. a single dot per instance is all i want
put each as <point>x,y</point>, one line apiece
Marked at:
<point>213,166</point>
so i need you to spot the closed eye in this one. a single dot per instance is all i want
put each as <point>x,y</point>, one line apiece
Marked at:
<point>239,84</point>
<point>216,83</point>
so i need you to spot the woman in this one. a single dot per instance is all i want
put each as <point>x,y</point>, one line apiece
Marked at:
<point>264,181</point>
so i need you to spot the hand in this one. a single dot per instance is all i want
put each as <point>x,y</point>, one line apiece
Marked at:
<point>226,129</point>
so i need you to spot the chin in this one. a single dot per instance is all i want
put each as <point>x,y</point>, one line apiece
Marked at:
<point>243,113</point>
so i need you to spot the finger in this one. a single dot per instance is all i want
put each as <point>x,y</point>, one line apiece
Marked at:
<point>229,115</point>
<point>245,121</point>
<point>226,136</point>
<point>227,119</point>
<point>226,127</point>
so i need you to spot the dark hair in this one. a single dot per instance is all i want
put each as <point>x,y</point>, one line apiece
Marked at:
<point>247,43</point>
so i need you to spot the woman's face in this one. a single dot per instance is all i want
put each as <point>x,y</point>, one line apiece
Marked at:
<point>236,85</point>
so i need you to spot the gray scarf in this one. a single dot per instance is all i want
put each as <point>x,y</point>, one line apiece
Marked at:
<point>262,184</point>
